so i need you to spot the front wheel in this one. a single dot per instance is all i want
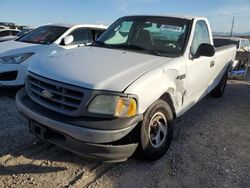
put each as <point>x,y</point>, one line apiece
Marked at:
<point>156,130</point>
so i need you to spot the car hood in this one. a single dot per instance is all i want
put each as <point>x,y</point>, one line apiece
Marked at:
<point>16,47</point>
<point>96,68</point>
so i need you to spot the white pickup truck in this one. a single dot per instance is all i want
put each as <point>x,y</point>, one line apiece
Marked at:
<point>123,92</point>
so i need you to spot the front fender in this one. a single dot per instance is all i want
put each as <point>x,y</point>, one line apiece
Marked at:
<point>151,86</point>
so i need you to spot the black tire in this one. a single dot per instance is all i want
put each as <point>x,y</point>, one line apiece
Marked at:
<point>150,134</point>
<point>218,91</point>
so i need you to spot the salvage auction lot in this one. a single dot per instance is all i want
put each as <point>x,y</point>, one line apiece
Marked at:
<point>210,148</point>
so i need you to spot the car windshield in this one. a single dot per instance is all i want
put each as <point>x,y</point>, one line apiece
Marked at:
<point>43,35</point>
<point>23,32</point>
<point>163,36</point>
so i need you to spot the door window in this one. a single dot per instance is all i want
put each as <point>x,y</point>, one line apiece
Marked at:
<point>81,36</point>
<point>201,35</point>
<point>96,33</point>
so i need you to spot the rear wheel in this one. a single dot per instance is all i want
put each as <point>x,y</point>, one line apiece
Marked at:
<point>156,130</point>
<point>220,88</point>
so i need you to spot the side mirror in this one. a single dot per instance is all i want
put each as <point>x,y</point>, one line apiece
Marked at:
<point>205,49</point>
<point>68,40</point>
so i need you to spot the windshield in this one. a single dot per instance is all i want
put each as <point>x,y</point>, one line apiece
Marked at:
<point>44,35</point>
<point>150,34</point>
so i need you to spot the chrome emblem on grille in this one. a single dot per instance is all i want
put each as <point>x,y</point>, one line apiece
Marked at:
<point>47,94</point>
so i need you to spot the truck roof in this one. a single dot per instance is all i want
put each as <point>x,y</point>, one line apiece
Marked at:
<point>70,25</point>
<point>188,17</point>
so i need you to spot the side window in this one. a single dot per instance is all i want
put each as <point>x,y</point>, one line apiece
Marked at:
<point>81,35</point>
<point>96,33</point>
<point>4,33</point>
<point>201,35</point>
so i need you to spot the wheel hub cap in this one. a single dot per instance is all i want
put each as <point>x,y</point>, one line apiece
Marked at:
<point>158,130</point>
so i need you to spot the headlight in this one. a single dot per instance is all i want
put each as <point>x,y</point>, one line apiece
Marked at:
<point>15,59</point>
<point>113,105</point>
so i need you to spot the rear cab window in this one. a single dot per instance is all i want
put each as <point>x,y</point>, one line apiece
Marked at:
<point>170,35</point>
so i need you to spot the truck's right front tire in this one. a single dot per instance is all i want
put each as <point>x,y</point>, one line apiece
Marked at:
<point>156,130</point>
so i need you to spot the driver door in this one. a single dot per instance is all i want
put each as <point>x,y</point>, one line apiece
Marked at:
<point>199,70</point>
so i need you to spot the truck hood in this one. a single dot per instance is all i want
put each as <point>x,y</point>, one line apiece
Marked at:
<point>16,47</point>
<point>97,68</point>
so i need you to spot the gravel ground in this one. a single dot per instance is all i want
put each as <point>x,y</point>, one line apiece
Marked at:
<point>210,148</point>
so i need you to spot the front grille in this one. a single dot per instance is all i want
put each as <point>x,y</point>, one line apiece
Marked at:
<point>55,95</point>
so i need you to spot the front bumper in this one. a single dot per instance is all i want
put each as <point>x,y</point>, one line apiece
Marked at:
<point>91,143</point>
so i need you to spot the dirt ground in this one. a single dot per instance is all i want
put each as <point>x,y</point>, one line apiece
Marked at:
<point>210,148</point>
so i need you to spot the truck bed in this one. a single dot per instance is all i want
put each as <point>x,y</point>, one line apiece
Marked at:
<point>223,47</point>
<point>218,42</point>
<point>242,58</point>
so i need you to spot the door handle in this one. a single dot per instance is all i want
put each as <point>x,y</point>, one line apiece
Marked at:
<point>212,64</point>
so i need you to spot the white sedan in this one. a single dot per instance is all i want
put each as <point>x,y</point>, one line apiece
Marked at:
<point>15,56</point>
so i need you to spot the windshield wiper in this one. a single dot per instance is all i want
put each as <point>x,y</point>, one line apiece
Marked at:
<point>140,48</point>
<point>98,42</point>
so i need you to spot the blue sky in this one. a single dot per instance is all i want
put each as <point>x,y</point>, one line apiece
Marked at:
<point>38,12</point>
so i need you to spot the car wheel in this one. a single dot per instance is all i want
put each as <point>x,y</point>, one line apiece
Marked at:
<point>220,88</point>
<point>156,130</point>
